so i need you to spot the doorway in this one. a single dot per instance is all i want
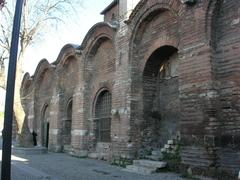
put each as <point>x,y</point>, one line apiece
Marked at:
<point>45,126</point>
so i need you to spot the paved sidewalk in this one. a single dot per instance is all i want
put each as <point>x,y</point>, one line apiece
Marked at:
<point>60,166</point>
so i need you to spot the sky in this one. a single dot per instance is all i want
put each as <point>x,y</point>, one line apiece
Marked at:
<point>73,30</point>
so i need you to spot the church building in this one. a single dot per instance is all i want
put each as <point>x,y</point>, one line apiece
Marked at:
<point>153,71</point>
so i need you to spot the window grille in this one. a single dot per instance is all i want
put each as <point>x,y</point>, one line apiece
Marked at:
<point>103,116</point>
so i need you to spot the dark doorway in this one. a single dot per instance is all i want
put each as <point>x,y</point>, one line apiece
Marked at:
<point>45,126</point>
<point>46,134</point>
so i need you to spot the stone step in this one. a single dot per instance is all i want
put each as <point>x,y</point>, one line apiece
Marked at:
<point>153,157</point>
<point>67,146</point>
<point>29,151</point>
<point>140,169</point>
<point>150,163</point>
<point>93,155</point>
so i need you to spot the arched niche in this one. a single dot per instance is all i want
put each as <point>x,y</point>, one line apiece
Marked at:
<point>161,103</point>
<point>154,72</point>
<point>101,60</point>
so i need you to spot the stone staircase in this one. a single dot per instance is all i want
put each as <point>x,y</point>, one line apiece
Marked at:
<point>67,148</point>
<point>153,162</point>
<point>145,166</point>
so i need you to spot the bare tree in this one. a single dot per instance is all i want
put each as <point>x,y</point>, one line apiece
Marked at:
<point>38,18</point>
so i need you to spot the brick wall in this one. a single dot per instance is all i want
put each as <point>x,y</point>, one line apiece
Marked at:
<point>226,27</point>
<point>112,15</point>
<point>172,70</point>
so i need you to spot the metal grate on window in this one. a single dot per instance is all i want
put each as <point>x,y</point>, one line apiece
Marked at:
<point>103,116</point>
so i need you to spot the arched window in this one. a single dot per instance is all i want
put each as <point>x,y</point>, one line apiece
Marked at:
<point>103,108</point>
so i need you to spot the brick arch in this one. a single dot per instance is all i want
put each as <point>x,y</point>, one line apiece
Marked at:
<point>67,51</point>
<point>212,12</point>
<point>97,43</point>
<point>68,59</point>
<point>93,45</point>
<point>141,14</point>
<point>42,67</point>
<point>152,66</point>
<point>67,75</point>
<point>27,83</point>
<point>158,44</point>
<point>144,9</point>
<point>96,35</point>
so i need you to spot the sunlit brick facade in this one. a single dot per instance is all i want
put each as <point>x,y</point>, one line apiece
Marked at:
<point>170,69</point>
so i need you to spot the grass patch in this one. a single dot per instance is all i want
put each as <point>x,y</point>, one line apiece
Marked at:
<point>173,159</point>
<point>122,162</point>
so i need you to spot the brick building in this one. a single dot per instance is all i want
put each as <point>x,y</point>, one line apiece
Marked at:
<point>154,70</point>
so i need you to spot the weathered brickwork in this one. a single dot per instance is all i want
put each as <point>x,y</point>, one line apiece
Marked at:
<point>171,70</point>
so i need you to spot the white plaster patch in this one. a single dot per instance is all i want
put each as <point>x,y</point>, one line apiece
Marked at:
<point>78,132</point>
<point>210,94</point>
<point>52,113</point>
<point>30,116</point>
<point>80,110</point>
<point>235,22</point>
<point>53,131</point>
<point>114,111</point>
<point>194,46</point>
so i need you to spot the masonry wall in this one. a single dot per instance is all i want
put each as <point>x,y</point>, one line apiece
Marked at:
<point>226,27</point>
<point>100,76</point>
<point>112,15</point>
<point>156,29</point>
<point>172,70</point>
<point>67,73</point>
<point>42,98</point>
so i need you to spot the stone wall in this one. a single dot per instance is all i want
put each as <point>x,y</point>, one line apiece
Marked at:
<point>226,40</point>
<point>172,71</point>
